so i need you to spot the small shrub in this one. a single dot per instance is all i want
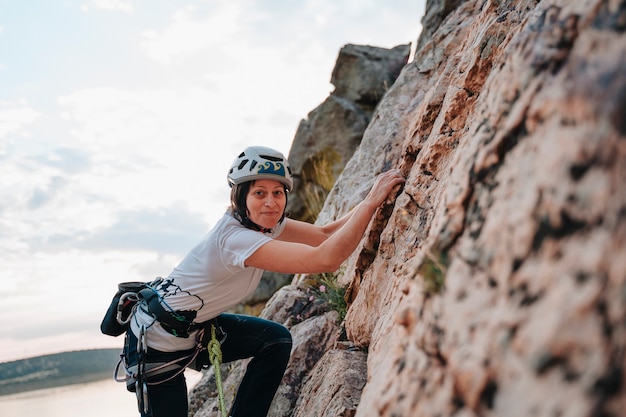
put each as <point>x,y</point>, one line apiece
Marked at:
<point>433,271</point>
<point>318,178</point>
<point>325,287</point>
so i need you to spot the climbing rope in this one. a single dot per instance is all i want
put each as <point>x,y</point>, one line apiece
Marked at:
<point>215,357</point>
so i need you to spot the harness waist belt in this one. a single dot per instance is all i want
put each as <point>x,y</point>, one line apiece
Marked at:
<point>174,323</point>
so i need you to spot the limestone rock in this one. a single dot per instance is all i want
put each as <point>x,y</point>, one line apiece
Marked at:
<point>325,141</point>
<point>494,282</point>
<point>339,395</point>
<point>363,74</point>
<point>311,339</point>
<point>322,146</point>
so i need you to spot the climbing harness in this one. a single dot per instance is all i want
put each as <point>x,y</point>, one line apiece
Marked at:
<point>140,376</point>
<point>171,320</point>
<point>144,374</point>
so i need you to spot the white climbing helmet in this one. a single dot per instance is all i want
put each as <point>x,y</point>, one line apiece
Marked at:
<point>260,163</point>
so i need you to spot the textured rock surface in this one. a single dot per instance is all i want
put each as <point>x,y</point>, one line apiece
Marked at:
<point>334,385</point>
<point>325,141</point>
<point>328,137</point>
<point>494,284</point>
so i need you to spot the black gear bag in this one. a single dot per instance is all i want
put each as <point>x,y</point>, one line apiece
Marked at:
<point>117,317</point>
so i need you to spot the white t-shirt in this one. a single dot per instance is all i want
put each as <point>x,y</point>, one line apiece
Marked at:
<point>211,279</point>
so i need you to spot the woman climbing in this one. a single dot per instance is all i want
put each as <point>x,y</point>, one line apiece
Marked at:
<point>220,271</point>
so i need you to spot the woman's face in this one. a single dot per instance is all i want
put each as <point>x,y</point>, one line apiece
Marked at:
<point>266,202</point>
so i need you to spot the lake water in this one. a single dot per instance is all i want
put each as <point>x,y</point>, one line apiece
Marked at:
<point>105,398</point>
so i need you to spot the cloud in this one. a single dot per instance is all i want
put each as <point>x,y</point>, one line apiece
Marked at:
<point>42,195</point>
<point>15,117</point>
<point>189,32</point>
<point>68,160</point>
<point>123,121</point>
<point>155,267</point>
<point>165,230</point>
<point>124,6</point>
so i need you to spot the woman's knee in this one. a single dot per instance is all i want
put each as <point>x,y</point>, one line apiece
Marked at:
<point>278,340</point>
<point>280,334</point>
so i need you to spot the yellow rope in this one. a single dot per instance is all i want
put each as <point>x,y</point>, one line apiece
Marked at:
<point>215,356</point>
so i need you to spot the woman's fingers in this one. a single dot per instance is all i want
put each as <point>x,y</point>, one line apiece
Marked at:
<point>385,182</point>
<point>392,178</point>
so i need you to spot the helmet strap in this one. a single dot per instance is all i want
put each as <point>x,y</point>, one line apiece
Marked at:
<point>246,222</point>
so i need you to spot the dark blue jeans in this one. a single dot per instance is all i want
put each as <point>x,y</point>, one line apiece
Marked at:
<point>267,342</point>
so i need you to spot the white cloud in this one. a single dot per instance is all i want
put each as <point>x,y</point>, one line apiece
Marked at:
<point>15,117</point>
<point>188,34</point>
<point>164,230</point>
<point>124,6</point>
<point>170,144</point>
<point>42,195</point>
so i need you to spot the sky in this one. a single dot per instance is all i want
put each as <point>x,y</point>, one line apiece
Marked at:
<point>118,122</point>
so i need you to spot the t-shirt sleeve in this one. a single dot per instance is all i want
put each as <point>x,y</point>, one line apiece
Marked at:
<point>240,243</point>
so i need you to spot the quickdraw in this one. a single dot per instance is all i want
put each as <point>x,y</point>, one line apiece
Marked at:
<point>141,385</point>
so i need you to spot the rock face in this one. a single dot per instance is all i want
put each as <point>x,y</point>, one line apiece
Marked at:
<point>325,141</point>
<point>494,284</point>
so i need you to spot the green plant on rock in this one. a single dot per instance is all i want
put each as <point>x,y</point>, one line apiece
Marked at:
<point>433,271</point>
<point>318,177</point>
<point>325,287</point>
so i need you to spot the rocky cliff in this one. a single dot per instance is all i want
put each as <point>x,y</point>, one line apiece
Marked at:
<point>494,282</point>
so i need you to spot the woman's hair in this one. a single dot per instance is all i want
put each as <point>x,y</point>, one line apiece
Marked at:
<point>239,209</point>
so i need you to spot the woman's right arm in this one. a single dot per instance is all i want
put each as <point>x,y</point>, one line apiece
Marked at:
<point>311,234</point>
<point>327,256</point>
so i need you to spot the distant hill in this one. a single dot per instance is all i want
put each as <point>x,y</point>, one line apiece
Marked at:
<point>57,370</point>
